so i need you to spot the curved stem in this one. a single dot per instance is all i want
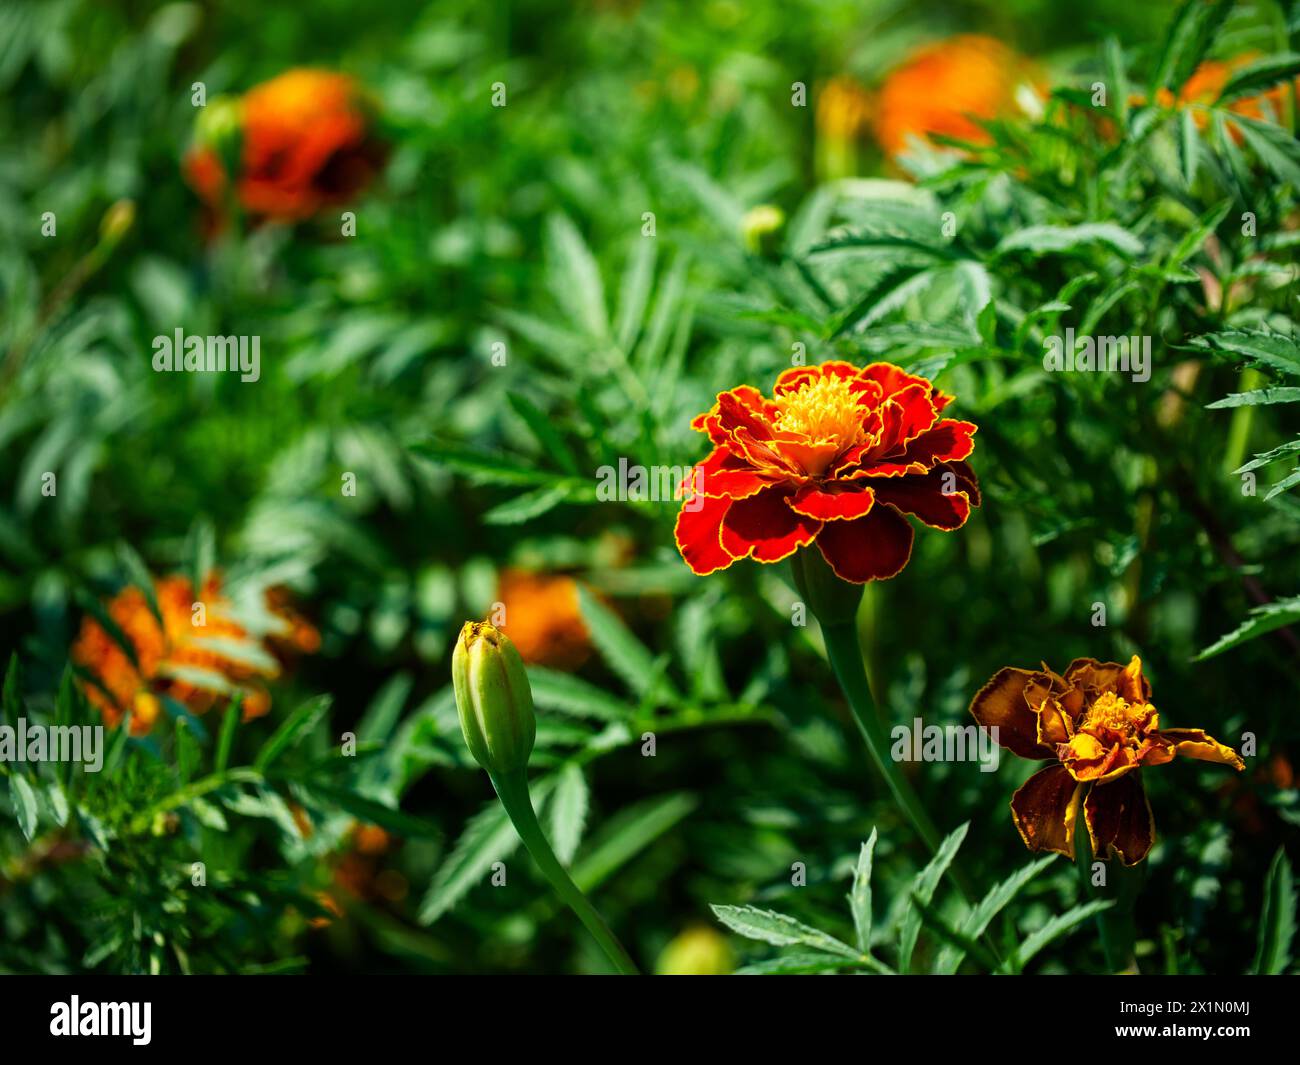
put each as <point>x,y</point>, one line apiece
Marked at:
<point>513,791</point>
<point>846,660</point>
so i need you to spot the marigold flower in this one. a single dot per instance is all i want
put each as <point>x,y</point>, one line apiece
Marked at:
<point>1097,721</point>
<point>838,456</point>
<point>172,659</point>
<point>307,143</point>
<point>944,87</point>
<point>544,618</point>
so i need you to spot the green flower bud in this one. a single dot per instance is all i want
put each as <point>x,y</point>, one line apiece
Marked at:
<point>493,698</point>
<point>760,229</point>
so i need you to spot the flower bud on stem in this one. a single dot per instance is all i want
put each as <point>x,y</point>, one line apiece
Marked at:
<point>495,704</point>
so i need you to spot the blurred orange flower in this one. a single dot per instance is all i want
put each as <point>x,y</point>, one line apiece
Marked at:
<point>1207,83</point>
<point>198,656</point>
<point>944,86</point>
<point>543,618</point>
<point>307,143</point>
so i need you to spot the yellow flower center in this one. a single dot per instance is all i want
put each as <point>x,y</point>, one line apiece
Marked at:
<point>1115,715</point>
<point>823,410</point>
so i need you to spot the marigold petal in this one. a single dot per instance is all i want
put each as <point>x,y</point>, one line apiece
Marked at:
<point>763,527</point>
<point>698,534</point>
<point>793,379</point>
<point>1045,808</point>
<point>966,479</point>
<point>828,503</point>
<point>1195,743</point>
<point>1086,758</point>
<point>892,378</point>
<point>1120,821</point>
<point>925,498</point>
<point>908,414</point>
<point>1001,704</point>
<point>1100,676</point>
<point>1054,725</point>
<point>872,548</point>
<point>948,441</point>
<point>725,474</point>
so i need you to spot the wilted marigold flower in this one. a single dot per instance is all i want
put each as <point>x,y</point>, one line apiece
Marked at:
<point>944,87</point>
<point>194,664</point>
<point>836,457</point>
<point>306,142</point>
<point>1096,720</point>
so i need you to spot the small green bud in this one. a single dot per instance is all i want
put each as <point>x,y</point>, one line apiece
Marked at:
<point>493,698</point>
<point>760,228</point>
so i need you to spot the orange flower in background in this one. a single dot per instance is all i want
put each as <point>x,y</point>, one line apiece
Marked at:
<point>194,657</point>
<point>543,618</point>
<point>1097,722</point>
<point>306,143</point>
<point>837,457</point>
<point>944,86</point>
<point>1207,83</point>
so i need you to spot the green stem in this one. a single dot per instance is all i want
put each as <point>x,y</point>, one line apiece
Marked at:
<point>846,660</point>
<point>513,791</point>
<point>1242,420</point>
<point>1115,927</point>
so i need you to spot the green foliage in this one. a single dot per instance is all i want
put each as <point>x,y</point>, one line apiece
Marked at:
<point>501,329</point>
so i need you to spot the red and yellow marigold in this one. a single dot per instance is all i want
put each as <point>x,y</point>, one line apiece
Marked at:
<point>307,142</point>
<point>836,458</point>
<point>1096,723</point>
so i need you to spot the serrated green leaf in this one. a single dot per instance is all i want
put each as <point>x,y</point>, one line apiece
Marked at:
<point>1054,239</point>
<point>568,812</point>
<point>923,887</point>
<point>626,834</point>
<point>1051,931</point>
<point>1263,619</point>
<point>990,906</point>
<point>1256,398</point>
<point>779,929</point>
<point>574,277</point>
<point>488,837</point>
<point>553,690</point>
<point>860,894</point>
